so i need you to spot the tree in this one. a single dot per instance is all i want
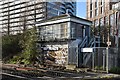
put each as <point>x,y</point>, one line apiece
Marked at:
<point>102,31</point>
<point>28,44</point>
<point>20,48</point>
<point>10,46</point>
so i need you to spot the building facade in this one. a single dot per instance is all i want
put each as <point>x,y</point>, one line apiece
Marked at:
<point>19,15</point>
<point>61,36</point>
<point>103,13</point>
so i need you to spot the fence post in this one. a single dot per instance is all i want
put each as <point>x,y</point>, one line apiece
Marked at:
<point>93,56</point>
<point>93,61</point>
<point>103,59</point>
<point>107,64</point>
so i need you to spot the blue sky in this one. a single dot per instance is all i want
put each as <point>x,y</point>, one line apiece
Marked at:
<point>81,9</point>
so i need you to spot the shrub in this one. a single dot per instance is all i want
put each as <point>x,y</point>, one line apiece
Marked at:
<point>115,70</point>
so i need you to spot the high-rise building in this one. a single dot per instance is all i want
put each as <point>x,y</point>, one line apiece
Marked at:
<point>103,13</point>
<point>19,15</point>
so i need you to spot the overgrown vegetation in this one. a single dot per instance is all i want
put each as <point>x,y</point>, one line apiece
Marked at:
<point>115,70</point>
<point>98,67</point>
<point>22,48</point>
<point>10,46</point>
<point>28,43</point>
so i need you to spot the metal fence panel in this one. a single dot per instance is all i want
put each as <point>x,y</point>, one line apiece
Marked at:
<point>100,61</point>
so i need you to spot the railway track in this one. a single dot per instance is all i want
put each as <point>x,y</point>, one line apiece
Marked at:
<point>41,73</point>
<point>37,72</point>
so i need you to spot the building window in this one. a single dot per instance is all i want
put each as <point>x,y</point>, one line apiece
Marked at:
<point>117,16</point>
<point>106,20</point>
<point>101,21</point>
<point>90,6</point>
<point>96,23</point>
<point>96,12</point>
<point>54,31</point>
<point>90,14</point>
<point>96,4</point>
<point>102,2</point>
<point>110,6</point>
<point>101,10</point>
<point>90,1</point>
<point>112,24</point>
<point>112,20</point>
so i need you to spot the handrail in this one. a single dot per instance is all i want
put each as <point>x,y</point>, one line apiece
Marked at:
<point>86,58</point>
<point>91,42</point>
<point>84,41</point>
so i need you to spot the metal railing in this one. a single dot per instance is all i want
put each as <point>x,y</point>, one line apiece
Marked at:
<point>87,56</point>
<point>83,43</point>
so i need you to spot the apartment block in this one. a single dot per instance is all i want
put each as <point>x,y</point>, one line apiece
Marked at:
<point>103,13</point>
<point>19,15</point>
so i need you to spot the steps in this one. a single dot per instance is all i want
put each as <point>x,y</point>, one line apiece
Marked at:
<point>87,57</point>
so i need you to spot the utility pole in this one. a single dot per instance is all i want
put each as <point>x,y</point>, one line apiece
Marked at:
<point>107,51</point>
